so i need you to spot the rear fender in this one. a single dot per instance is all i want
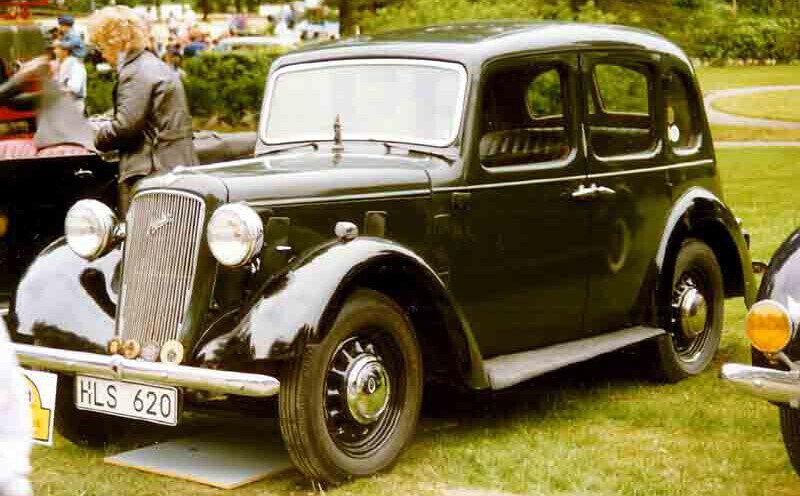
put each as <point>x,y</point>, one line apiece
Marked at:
<point>298,306</point>
<point>702,215</point>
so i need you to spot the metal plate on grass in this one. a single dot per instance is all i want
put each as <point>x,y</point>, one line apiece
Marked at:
<point>223,458</point>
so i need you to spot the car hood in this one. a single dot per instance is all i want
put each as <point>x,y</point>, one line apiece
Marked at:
<point>314,177</point>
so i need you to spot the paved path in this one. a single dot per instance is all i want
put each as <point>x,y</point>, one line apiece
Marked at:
<point>724,119</point>
<point>738,144</point>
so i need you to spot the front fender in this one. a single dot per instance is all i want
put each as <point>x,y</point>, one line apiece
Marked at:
<point>64,301</point>
<point>781,282</point>
<point>701,214</point>
<point>298,305</point>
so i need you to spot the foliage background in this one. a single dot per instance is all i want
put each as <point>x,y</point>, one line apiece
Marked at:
<point>224,86</point>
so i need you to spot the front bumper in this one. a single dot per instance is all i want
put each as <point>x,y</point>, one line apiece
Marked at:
<point>120,368</point>
<point>773,385</point>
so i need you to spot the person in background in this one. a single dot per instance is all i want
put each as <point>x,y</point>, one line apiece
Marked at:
<point>11,91</point>
<point>70,38</point>
<point>71,74</point>
<point>16,429</point>
<point>151,124</point>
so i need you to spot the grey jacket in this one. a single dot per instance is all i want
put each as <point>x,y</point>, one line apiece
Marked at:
<point>151,128</point>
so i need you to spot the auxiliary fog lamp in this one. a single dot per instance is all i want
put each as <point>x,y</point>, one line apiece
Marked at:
<point>235,234</point>
<point>91,229</point>
<point>769,326</point>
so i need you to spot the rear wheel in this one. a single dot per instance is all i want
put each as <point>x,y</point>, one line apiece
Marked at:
<point>349,406</point>
<point>695,305</point>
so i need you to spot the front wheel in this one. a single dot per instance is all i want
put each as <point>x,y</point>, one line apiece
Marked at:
<point>349,406</point>
<point>693,313</point>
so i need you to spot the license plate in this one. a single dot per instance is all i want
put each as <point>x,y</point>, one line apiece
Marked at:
<point>158,404</point>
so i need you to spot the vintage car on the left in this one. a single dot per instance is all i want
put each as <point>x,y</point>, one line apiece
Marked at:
<point>38,183</point>
<point>771,327</point>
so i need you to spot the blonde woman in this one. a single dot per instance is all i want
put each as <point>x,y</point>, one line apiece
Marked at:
<point>151,125</point>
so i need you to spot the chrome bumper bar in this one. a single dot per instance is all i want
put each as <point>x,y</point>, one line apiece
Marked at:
<point>120,368</point>
<point>769,384</point>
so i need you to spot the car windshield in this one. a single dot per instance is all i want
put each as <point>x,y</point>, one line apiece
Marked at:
<point>386,100</point>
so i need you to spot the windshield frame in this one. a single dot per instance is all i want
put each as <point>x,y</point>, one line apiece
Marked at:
<point>309,66</point>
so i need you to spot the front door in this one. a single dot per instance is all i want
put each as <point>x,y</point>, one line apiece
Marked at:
<point>518,264</point>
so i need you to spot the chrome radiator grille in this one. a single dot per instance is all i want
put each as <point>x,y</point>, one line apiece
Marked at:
<point>163,239</point>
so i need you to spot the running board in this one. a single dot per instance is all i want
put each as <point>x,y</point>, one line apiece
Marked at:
<point>506,370</point>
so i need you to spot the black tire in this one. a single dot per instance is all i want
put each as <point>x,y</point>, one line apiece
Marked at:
<point>327,440</point>
<point>689,347</point>
<point>89,429</point>
<point>790,429</point>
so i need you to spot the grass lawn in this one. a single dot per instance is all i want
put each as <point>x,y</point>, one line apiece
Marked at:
<point>780,105</point>
<point>719,78</point>
<point>600,428</point>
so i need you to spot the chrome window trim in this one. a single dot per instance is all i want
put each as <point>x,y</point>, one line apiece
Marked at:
<point>454,66</point>
<point>586,177</point>
<point>198,240</point>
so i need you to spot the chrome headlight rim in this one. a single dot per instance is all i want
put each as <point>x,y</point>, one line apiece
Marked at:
<point>249,222</point>
<point>105,220</point>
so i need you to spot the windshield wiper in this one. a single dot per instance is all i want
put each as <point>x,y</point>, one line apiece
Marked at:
<point>313,144</point>
<point>411,149</point>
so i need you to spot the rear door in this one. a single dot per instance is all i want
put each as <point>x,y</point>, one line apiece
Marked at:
<point>626,164</point>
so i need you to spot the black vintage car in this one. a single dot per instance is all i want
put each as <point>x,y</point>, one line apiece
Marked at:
<point>471,204</point>
<point>771,326</point>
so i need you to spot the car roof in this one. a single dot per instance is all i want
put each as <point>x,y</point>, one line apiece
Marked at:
<point>475,43</point>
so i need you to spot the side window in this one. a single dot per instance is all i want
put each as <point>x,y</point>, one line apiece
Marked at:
<point>682,112</point>
<point>523,116</point>
<point>620,111</point>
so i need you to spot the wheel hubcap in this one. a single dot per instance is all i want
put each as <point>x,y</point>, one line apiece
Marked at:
<point>368,389</point>
<point>692,312</point>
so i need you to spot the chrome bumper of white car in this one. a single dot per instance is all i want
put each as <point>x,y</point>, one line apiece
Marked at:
<point>120,368</point>
<point>769,384</point>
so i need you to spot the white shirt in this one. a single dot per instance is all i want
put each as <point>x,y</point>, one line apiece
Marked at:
<point>16,427</point>
<point>72,76</point>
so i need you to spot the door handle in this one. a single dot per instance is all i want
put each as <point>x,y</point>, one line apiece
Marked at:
<point>591,192</point>
<point>83,173</point>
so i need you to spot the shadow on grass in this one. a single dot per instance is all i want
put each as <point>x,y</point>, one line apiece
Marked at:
<point>445,407</point>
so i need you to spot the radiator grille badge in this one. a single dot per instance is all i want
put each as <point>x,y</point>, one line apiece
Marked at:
<point>158,224</point>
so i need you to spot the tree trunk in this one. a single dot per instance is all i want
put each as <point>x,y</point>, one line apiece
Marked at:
<point>346,21</point>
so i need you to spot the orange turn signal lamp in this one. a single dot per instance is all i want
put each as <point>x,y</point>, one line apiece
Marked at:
<point>769,326</point>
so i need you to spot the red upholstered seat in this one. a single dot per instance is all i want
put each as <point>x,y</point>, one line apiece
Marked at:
<point>62,151</point>
<point>24,148</point>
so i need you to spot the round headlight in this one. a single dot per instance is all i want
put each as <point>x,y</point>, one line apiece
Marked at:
<point>235,234</point>
<point>89,228</point>
<point>769,326</point>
